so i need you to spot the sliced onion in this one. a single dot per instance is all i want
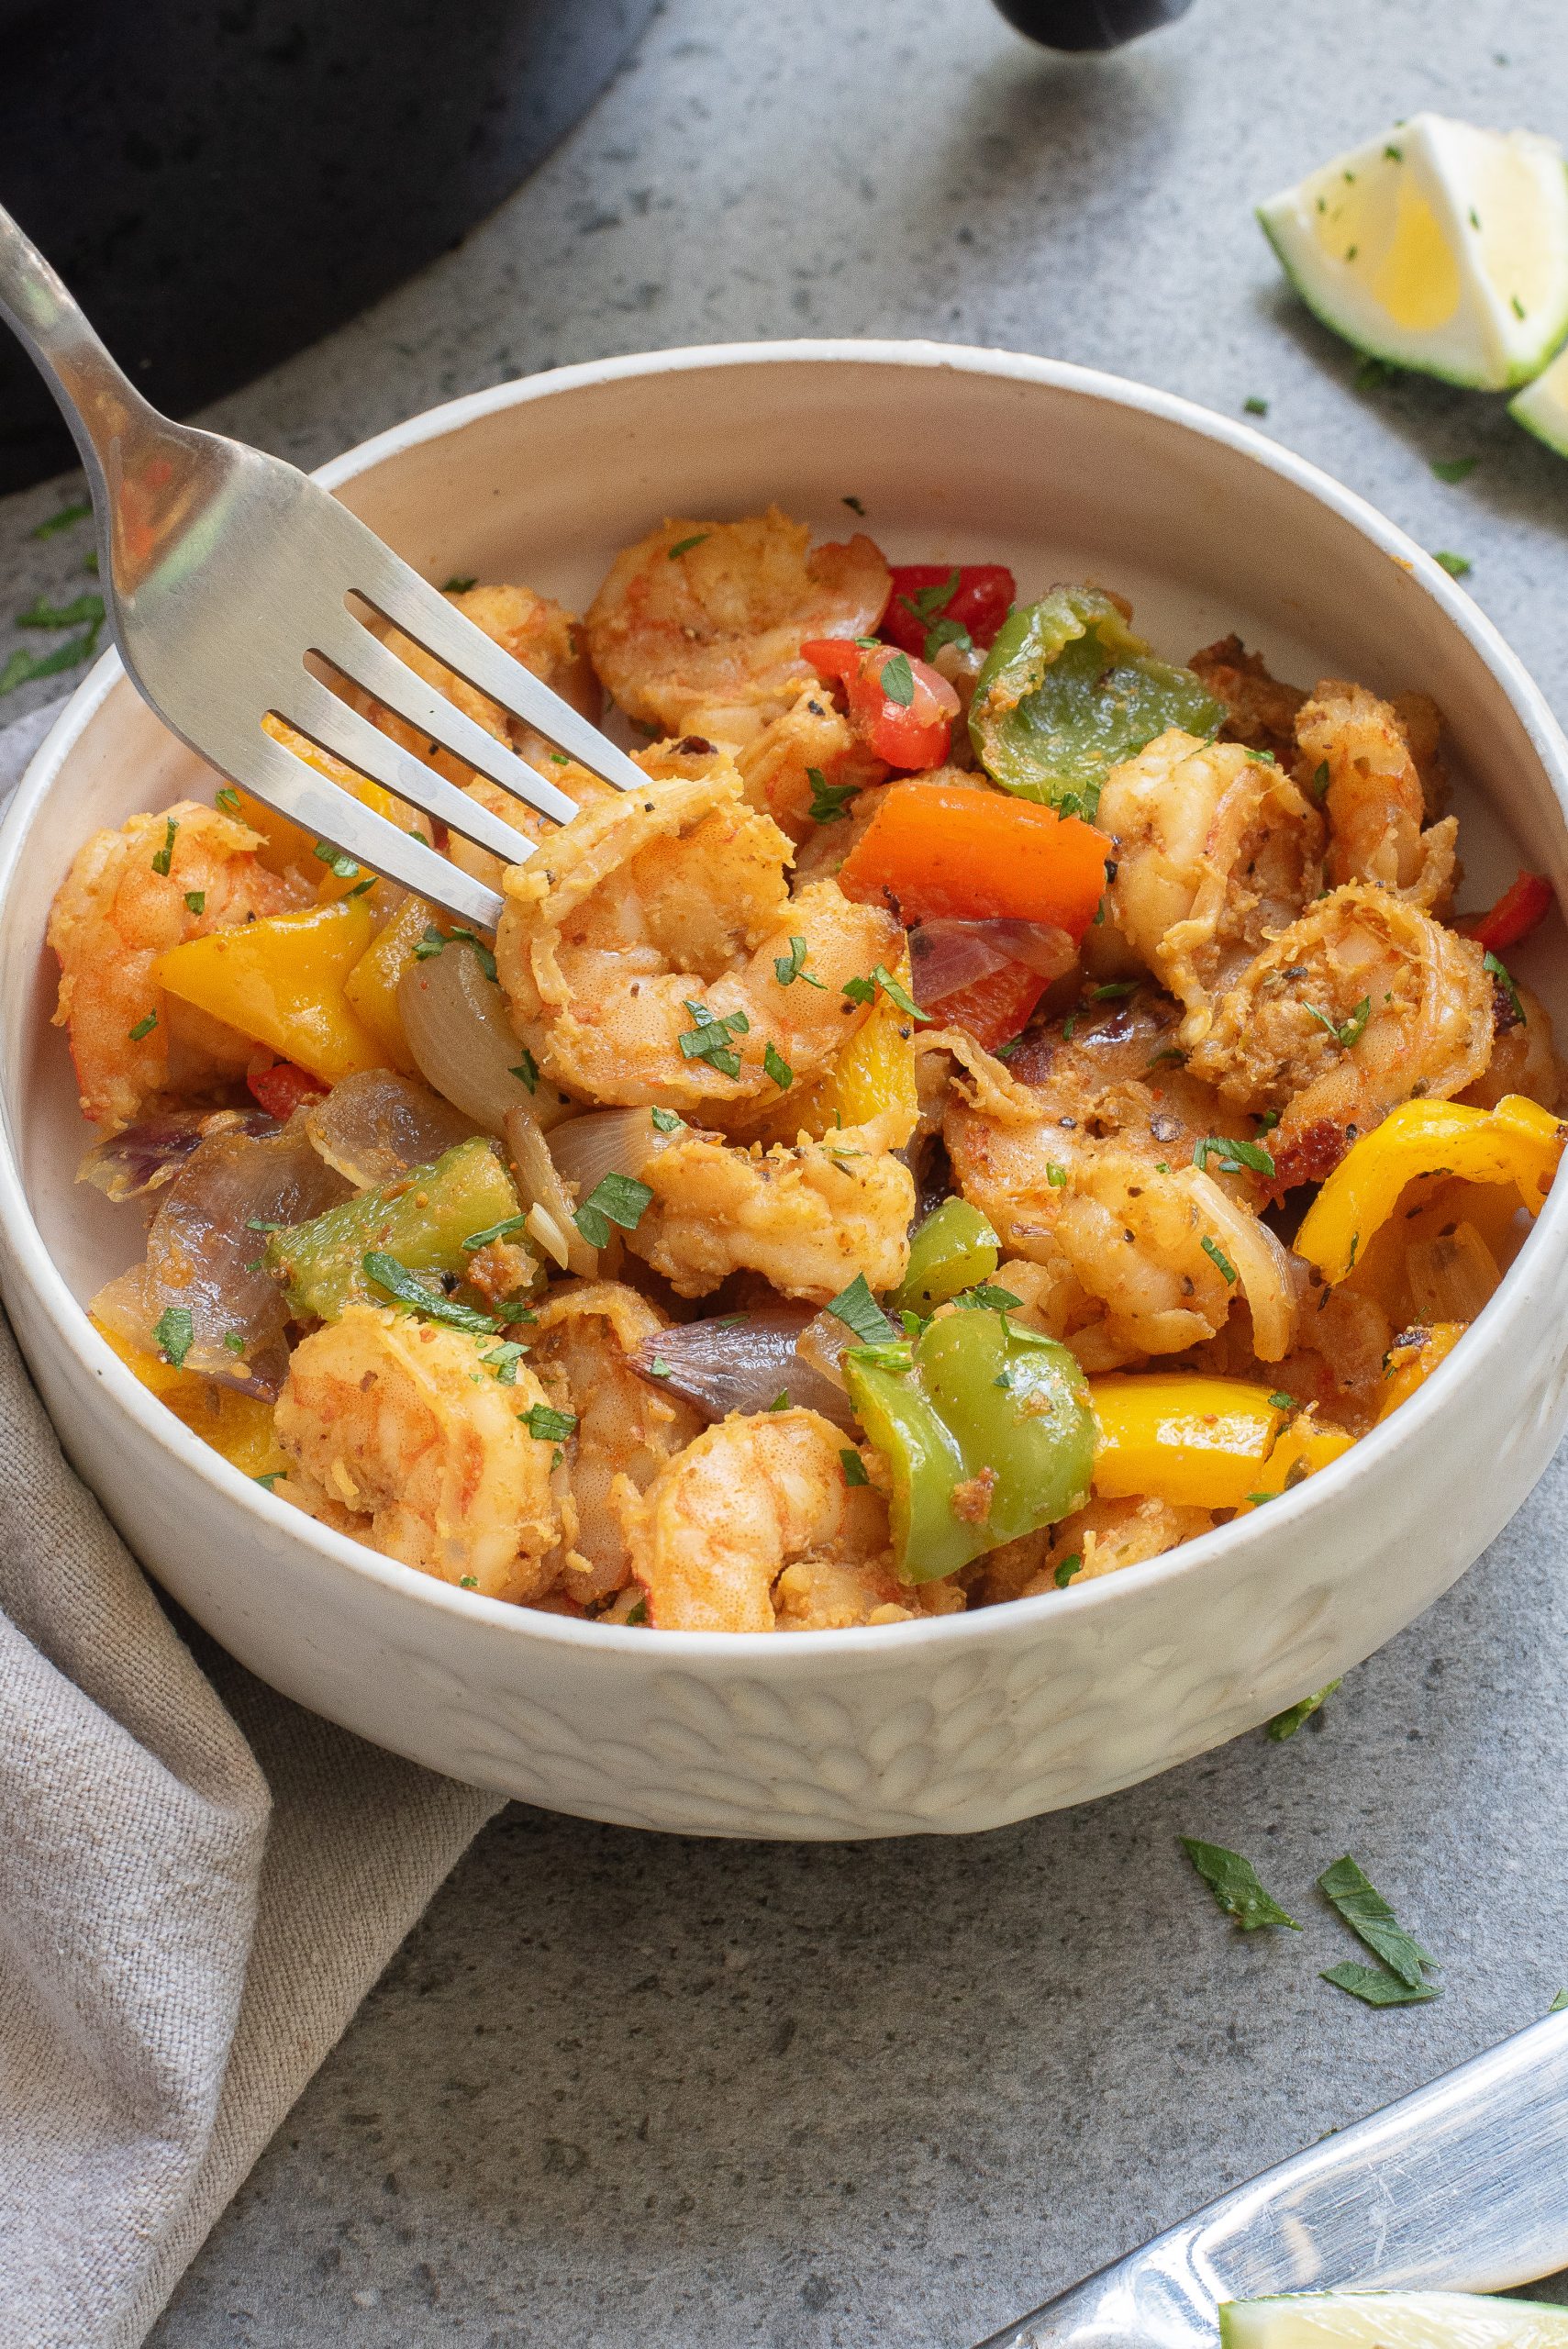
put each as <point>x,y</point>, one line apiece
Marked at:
<point>947,956</point>
<point>822,1346</point>
<point>375,1126</point>
<point>606,1142</point>
<point>1262,1266</point>
<point>539,1185</point>
<point>742,1363</point>
<point>143,1158</point>
<point>1452,1278</point>
<point>460,1035</point>
<point>203,1255</point>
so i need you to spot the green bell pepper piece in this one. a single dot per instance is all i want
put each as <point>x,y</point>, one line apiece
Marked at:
<point>1067,692</point>
<point>953,1248</point>
<point>422,1219</point>
<point>978,1395</point>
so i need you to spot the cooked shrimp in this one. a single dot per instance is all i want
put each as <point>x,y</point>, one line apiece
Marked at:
<point>653,910</point>
<point>1524,1055</point>
<point>580,1350</point>
<point>811,745</point>
<point>821,1595</point>
<point>1083,1162</point>
<point>400,1434</point>
<point>1098,1539</point>
<point>698,629</point>
<point>1260,710</point>
<point>1216,851</point>
<point>117,911</point>
<point>1360,758</point>
<point>1363,1002</point>
<point>808,1216</point>
<point>721,1522</point>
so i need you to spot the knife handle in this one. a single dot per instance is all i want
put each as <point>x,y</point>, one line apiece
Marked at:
<point>1462,2185</point>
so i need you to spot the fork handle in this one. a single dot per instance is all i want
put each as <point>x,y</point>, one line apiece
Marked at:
<point>100,403</point>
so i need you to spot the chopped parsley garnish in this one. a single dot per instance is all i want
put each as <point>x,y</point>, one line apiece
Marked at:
<point>853,504</point>
<point>780,1400</point>
<point>259,1223</point>
<point>1232,1157</point>
<point>195,901</point>
<point>637,1611</point>
<point>896,681</point>
<point>269,1477</point>
<point>615,1198</point>
<point>63,520</point>
<point>897,994</point>
<point>1254,406</point>
<point>1345,1032</point>
<point>666,1121</point>
<point>1453,468</point>
<point>227,799</point>
<point>1517,306</point>
<point>1320,779</point>
<point>789,967</point>
<point>1371,1918</point>
<point>1055,1175</point>
<point>1281,1401</point>
<point>929,603</point>
<point>1160,1059</point>
<point>502,1231</point>
<point>548,1426</point>
<point>985,1297</point>
<point>1285,1724</point>
<point>1110,988</point>
<point>343,867</point>
<point>1067,1569</point>
<point>1267,1120</point>
<point>504,1361</point>
<point>776,1066</point>
<point>710,1040</point>
<point>24,668</point>
<point>853,1466</point>
<point>143,1027</point>
<point>174,1333</point>
<point>86,611</point>
<point>1559,2004</point>
<point>233,1340</point>
<point>859,1311</point>
<point>1489,963</point>
<point>1235,1885</point>
<point>829,800</point>
<point>526,1072</point>
<point>1217,1257</point>
<point>685,546</point>
<point>384,1272</point>
<point>432,942</point>
<point>165,857</point>
<point>1458,566</point>
<point>458,585</point>
<point>947,632</point>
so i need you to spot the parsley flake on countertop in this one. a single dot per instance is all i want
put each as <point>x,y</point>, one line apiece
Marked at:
<point>77,512</point>
<point>1348,1887</point>
<point>1458,566</point>
<point>1284,1725</point>
<point>1376,1989</point>
<point>1453,469</point>
<point>1235,1885</point>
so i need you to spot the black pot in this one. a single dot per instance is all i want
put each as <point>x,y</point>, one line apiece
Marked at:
<point>220,182</point>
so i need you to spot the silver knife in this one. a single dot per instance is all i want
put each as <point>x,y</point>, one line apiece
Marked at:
<point>1463,2185</point>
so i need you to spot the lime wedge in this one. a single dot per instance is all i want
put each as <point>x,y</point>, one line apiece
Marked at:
<point>1542,407</point>
<point>1392,2320</point>
<point>1437,247</point>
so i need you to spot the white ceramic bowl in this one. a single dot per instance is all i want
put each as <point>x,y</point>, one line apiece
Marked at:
<point>949,1725</point>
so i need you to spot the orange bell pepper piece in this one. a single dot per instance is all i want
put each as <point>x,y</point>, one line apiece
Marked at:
<point>941,849</point>
<point>1410,1364</point>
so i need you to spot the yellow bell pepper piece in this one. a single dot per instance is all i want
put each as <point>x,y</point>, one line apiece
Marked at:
<point>1166,1436</point>
<point>281,981</point>
<point>874,1072</point>
<point>1409,1366</point>
<point>1302,1450</point>
<point>287,847</point>
<point>237,1426</point>
<point>372,985</point>
<point>1517,1143</point>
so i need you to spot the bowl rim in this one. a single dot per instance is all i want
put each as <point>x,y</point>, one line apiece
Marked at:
<point>22,1243</point>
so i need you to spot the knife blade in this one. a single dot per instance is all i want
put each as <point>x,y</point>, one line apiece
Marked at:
<point>1462,2185</point>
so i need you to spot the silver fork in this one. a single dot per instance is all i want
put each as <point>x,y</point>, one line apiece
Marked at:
<point>223,570</point>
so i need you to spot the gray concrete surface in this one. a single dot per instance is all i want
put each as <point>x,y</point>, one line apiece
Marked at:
<point>620,2092</point>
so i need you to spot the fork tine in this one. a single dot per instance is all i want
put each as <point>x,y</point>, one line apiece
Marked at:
<point>410,603</point>
<point>319,713</point>
<point>283,781</point>
<point>368,662</point>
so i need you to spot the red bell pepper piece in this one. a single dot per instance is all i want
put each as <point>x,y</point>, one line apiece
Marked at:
<point>1522,906</point>
<point>901,709</point>
<point>975,596</point>
<point>944,848</point>
<point>283,1088</point>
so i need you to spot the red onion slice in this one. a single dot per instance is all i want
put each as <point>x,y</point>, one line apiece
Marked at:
<point>742,1362</point>
<point>948,955</point>
<point>143,1158</point>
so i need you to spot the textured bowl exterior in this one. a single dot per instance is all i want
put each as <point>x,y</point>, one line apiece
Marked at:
<point>948,1726</point>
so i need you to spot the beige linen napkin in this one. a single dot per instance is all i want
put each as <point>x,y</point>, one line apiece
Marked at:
<point>198,1883</point>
